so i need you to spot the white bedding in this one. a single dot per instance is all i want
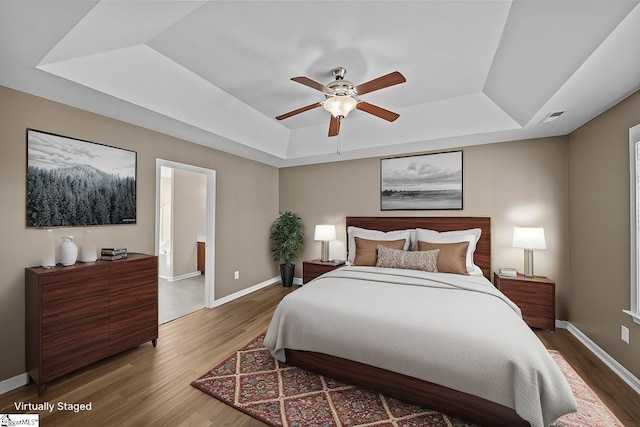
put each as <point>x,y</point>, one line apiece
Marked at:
<point>453,330</point>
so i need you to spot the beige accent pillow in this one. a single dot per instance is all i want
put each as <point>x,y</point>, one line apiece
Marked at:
<point>471,235</point>
<point>415,260</point>
<point>365,233</point>
<point>451,258</point>
<point>367,252</point>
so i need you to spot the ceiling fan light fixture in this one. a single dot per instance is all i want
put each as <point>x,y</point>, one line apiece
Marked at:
<point>341,96</point>
<point>340,105</point>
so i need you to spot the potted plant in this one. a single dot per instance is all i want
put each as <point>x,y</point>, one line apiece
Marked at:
<point>287,236</point>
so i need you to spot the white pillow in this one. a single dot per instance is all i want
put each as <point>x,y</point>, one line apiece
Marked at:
<point>472,236</point>
<point>353,232</point>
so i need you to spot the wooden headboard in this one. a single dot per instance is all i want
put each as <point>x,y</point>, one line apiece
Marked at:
<point>482,256</point>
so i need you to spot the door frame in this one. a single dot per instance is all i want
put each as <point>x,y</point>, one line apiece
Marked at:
<point>209,264</point>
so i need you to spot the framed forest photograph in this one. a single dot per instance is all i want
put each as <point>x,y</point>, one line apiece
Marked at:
<point>423,182</point>
<point>76,183</point>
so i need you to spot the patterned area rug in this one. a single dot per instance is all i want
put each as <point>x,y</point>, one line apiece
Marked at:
<point>253,382</point>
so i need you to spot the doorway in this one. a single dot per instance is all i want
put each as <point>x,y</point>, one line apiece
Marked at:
<point>184,236</point>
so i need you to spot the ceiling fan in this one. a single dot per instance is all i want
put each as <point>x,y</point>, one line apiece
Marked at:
<point>341,96</point>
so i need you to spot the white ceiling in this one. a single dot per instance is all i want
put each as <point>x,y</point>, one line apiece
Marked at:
<point>218,72</point>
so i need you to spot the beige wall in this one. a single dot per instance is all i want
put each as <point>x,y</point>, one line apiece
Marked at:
<point>165,266</point>
<point>522,183</point>
<point>246,205</point>
<point>599,229</point>
<point>189,219</point>
<point>577,187</point>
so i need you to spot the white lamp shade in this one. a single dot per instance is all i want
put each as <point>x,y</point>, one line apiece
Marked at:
<point>340,105</point>
<point>529,238</point>
<point>325,233</point>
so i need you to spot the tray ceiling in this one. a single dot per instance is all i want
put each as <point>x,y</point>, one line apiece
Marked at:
<point>218,72</point>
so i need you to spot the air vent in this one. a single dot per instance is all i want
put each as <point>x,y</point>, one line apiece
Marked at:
<point>551,117</point>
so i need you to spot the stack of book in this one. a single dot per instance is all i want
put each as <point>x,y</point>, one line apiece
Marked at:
<point>508,272</point>
<point>112,254</point>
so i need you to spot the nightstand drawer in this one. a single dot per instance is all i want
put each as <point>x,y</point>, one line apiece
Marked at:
<point>542,322</point>
<point>311,271</point>
<point>534,293</point>
<point>315,268</point>
<point>530,308</point>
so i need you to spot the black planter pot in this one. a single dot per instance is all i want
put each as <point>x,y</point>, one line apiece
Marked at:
<point>286,274</point>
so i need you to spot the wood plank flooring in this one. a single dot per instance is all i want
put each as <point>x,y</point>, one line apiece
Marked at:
<point>149,386</point>
<point>623,401</point>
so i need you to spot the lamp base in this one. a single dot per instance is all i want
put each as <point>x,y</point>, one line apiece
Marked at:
<point>528,263</point>
<point>325,251</point>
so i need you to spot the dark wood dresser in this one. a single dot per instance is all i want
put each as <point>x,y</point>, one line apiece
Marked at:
<point>79,314</point>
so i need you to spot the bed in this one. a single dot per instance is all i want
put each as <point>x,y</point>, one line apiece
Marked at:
<point>445,340</point>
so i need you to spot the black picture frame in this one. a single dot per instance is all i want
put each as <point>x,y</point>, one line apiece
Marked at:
<point>422,182</point>
<point>76,183</point>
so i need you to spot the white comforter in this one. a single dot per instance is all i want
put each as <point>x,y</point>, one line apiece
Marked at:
<point>453,330</point>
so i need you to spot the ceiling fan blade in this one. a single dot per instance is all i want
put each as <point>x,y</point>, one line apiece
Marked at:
<point>298,111</point>
<point>312,84</point>
<point>377,111</point>
<point>334,126</point>
<point>380,83</point>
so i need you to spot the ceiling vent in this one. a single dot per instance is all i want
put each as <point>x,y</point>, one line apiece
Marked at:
<point>551,117</point>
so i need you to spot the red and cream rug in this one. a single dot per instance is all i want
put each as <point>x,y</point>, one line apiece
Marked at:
<point>253,382</point>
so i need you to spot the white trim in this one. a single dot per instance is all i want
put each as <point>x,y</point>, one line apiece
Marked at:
<point>245,291</point>
<point>612,363</point>
<point>634,316</point>
<point>210,245</point>
<point>182,276</point>
<point>13,383</point>
<point>634,172</point>
<point>209,263</point>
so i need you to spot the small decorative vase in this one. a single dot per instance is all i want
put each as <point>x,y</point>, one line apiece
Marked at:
<point>49,256</point>
<point>68,251</point>
<point>88,250</point>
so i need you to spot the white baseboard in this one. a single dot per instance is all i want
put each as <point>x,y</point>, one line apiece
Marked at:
<point>235,295</point>
<point>13,383</point>
<point>244,292</point>
<point>181,277</point>
<point>612,363</point>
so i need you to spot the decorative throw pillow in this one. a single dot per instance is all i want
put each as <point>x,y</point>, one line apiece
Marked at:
<point>367,253</point>
<point>471,235</point>
<point>365,233</point>
<point>451,258</point>
<point>416,260</point>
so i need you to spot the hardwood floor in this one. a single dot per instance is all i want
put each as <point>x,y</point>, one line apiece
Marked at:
<point>151,386</point>
<point>623,401</point>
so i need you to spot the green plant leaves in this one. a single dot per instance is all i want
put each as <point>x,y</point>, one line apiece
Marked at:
<point>287,237</point>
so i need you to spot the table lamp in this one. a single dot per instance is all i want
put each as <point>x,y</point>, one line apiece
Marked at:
<point>529,238</point>
<point>325,233</point>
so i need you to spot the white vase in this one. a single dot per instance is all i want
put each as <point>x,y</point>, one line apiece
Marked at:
<point>49,255</point>
<point>88,250</point>
<point>68,251</point>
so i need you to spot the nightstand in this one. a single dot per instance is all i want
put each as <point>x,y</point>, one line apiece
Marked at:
<point>536,297</point>
<point>314,268</point>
